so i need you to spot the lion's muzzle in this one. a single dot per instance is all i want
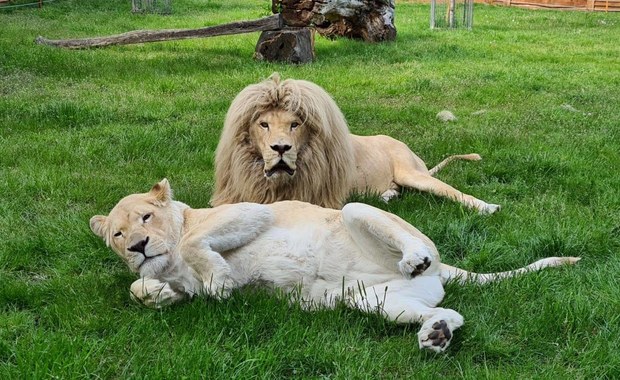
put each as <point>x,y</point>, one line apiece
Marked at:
<point>280,166</point>
<point>281,148</point>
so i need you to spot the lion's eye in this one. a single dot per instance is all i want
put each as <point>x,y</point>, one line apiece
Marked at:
<point>264,125</point>
<point>118,234</point>
<point>146,217</point>
<point>294,125</point>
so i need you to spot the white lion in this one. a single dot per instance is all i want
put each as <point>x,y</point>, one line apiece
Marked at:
<point>288,140</point>
<point>367,258</point>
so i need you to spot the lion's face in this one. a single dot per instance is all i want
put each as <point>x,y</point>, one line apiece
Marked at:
<point>142,229</point>
<point>284,140</point>
<point>279,136</point>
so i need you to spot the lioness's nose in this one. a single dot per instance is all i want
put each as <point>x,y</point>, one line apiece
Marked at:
<point>139,246</point>
<point>281,148</point>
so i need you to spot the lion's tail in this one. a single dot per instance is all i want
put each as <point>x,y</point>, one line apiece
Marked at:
<point>442,164</point>
<point>462,276</point>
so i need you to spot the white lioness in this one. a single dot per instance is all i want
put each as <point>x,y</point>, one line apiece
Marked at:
<point>362,256</point>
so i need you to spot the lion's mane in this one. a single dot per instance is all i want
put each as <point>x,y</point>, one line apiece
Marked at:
<point>325,165</point>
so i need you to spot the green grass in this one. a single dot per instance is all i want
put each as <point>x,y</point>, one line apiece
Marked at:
<point>81,129</point>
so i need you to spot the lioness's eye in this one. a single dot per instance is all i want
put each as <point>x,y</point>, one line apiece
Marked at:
<point>146,217</point>
<point>118,234</point>
<point>294,125</point>
<point>264,125</point>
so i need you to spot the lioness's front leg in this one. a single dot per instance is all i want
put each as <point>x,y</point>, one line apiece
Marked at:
<point>154,293</point>
<point>389,240</point>
<point>225,229</point>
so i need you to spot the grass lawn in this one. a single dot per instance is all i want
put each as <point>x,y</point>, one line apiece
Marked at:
<point>536,93</point>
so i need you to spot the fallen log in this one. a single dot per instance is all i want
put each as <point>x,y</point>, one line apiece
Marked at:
<point>142,36</point>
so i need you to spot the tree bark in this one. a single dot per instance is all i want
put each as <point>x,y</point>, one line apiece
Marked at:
<point>141,36</point>
<point>294,45</point>
<point>368,20</point>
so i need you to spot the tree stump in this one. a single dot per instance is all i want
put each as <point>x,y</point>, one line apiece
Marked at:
<point>294,45</point>
<point>368,20</point>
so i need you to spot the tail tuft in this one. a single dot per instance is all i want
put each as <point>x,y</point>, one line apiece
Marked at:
<point>446,161</point>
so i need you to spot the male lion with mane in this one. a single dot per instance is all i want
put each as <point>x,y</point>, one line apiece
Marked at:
<point>288,140</point>
<point>361,256</point>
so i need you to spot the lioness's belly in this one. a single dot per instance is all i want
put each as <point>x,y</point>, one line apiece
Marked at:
<point>314,256</point>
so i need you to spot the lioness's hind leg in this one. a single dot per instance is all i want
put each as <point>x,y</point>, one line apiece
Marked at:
<point>415,301</point>
<point>437,331</point>
<point>386,242</point>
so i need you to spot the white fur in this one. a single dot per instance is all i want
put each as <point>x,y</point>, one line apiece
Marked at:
<point>369,259</point>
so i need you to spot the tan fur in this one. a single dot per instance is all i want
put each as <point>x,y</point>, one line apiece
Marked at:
<point>298,123</point>
<point>322,148</point>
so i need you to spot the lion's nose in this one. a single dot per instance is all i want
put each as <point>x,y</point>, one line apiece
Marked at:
<point>281,149</point>
<point>139,246</point>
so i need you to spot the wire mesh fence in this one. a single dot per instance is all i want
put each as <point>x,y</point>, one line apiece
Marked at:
<point>452,14</point>
<point>151,6</point>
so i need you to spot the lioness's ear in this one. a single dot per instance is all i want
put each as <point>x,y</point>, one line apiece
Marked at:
<point>162,192</point>
<point>98,225</point>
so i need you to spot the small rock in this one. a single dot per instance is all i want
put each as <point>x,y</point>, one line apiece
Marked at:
<point>479,112</point>
<point>568,107</point>
<point>446,116</point>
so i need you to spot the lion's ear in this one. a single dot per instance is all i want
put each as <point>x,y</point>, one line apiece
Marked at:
<point>275,77</point>
<point>98,225</point>
<point>162,192</point>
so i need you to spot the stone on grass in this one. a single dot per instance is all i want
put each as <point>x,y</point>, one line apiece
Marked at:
<point>568,107</point>
<point>446,116</point>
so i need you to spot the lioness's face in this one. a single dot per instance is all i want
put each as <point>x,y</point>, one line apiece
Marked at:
<point>142,230</point>
<point>279,135</point>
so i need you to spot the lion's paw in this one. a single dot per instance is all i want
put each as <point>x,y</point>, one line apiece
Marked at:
<point>488,209</point>
<point>389,194</point>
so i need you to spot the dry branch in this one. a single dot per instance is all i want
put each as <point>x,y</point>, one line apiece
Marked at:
<point>141,36</point>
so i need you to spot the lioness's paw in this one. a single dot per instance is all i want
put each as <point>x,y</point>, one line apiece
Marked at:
<point>413,266</point>
<point>436,337</point>
<point>217,289</point>
<point>153,293</point>
<point>436,333</point>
